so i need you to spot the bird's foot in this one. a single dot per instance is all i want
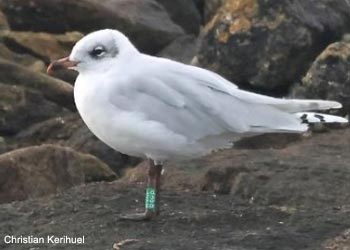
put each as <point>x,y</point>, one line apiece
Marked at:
<point>145,216</point>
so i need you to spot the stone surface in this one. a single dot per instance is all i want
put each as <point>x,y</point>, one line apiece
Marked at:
<point>72,132</point>
<point>24,59</point>
<point>269,176</point>
<point>3,22</point>
<point>47,169</point>
<point>308,172</point>
<point>267,45</point>
<point>329,76</point>
<point>183,13</point>
<point>268,141</point>
<point>340,242</point>
<point>52,89</point>
<point>145,22</point>
<point>291,198</point>
<point>183,49</point>
<point>21,107</point>
<point>44,46</point>
<point>200,7</point>
<point>57,130</point>
<point>84,141</point>
<point>66,75</point>
<point>210,9</point>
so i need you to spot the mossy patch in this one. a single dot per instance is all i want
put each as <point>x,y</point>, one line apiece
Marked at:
<point>235,16</point>
<point>340,50</point>
<point>239,16</point>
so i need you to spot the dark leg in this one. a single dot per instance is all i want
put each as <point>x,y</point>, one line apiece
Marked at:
<point>152,195</point>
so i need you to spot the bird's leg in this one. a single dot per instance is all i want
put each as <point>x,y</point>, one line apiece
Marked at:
<point>153,189</point>
<point>152,195</point>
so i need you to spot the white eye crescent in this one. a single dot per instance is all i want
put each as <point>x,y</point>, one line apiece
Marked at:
<point>98,51</point>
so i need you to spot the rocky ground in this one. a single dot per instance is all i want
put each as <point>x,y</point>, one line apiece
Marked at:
<point>268,192</point>
<point>295,197</point>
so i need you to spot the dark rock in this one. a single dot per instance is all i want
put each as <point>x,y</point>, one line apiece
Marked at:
<point>145,22</point>
<point>313,214</point>
<point>272,140</point>
<point>3,22</point>
<point>182,49</point>
<point>24,59</point>
<point>210,9</point>
<point>269,44</point>
<point>308,173</point>
<point>44,46</point>
<point>66,75</point>
<point>184,13</point>
<point>47,169</point>
<point>200,7</point>
<point>314,170</point>
<point>84,141</point>
<point>3,145</point>
<point>329,76</point>
<point>57,130</point>
<point>21,107</point>
<point>339,242</point>
<point>72,132</point>
<point>52,89</point>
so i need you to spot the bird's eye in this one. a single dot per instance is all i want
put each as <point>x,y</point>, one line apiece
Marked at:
<point>97,51</point>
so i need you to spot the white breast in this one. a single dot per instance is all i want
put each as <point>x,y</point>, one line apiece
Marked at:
<point>126,132</point>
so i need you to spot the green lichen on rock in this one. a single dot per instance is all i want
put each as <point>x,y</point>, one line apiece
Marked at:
<point>329,76</point>
<point>268,45</point>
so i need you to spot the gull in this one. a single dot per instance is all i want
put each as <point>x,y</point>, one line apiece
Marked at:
<point>160,109</point>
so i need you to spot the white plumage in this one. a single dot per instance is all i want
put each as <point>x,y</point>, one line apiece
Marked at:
<point>161,109</point>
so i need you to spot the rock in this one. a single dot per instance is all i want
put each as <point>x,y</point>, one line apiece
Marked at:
<point>66,75</point>
<point>47,169</point>
<point>309,172</point>
<point>328,77</point>
<point>72,132</point>
<point>57,130</point>
<point>183,13</point>
<point>23,59</point>
<point>44,46</point>
<point>272,140</point>
<point>222,180</point>
<point>52,89</point>
<point>313,214</point>
<point>84,141</point>
<point>145,22</point>
<point>21,107</point>
<point>3,145</point>
<point>200,7</point>
<point>210,8</point>
<point>183,49</point>
<point>267,44</point>
<point>339,242</point>
<point>300,174</point>
<point>3,22</point>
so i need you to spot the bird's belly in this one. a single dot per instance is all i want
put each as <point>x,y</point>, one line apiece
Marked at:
<point>128,132</point>
<point>104,125</point>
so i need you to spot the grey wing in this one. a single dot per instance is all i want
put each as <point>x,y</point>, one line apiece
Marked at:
<point>197,103</point>
<point>154,100</point>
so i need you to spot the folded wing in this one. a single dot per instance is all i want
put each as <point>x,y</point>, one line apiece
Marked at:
<point>199,104</point>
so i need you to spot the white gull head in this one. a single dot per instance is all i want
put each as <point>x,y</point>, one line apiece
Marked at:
<point>100,49</point>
